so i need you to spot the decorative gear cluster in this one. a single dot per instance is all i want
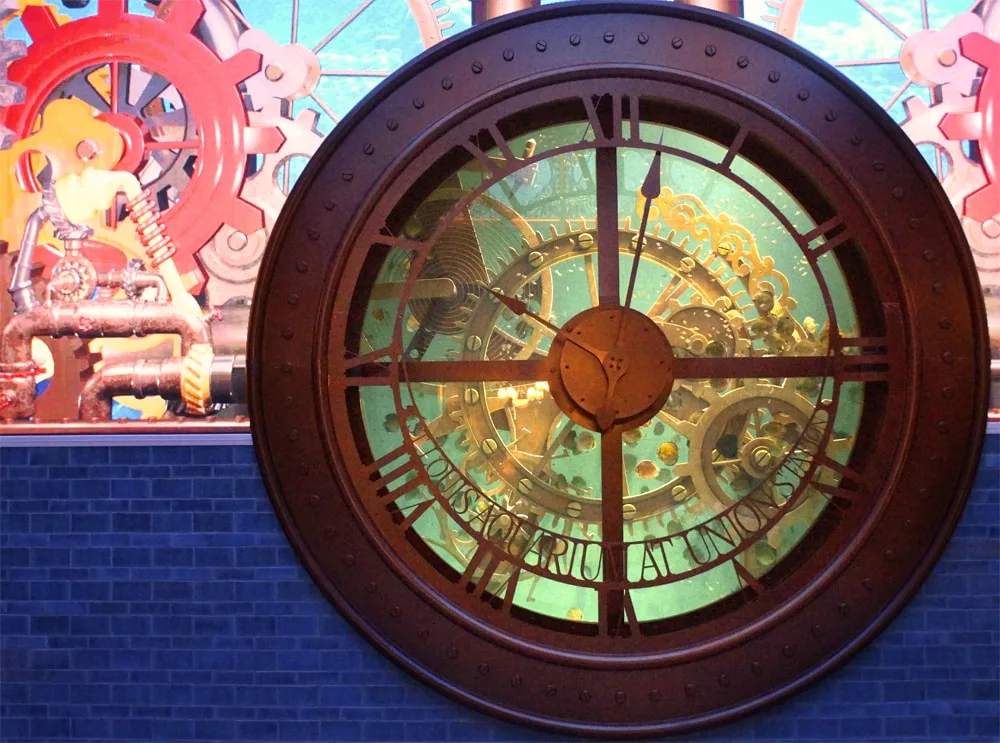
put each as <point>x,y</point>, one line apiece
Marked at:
<point>10,92</point>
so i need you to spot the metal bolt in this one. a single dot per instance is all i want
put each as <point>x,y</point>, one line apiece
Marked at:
<point>237,241</point>
<point>273,72</point>
<point>609,37</point>
<point>774,76</point>
<point>620,697</point>
<point>803,94</point>
<point>293,435</point>
<point>287,333</point>
<point>573,509</point>
<point>473,343</point>
<point>392,125</point>
<point>929,254</point>
<point>368,149</point>
<point>628,511</point>
<point>313,233</point>
<point>584,696</point>
<point>879,165</point>
<point>761,457</point>
<point>508,55</point>
<point>471,396</point>
<point>293,299</point>
<point>347,176</point>
<point>938,287</point>
<point>643,37</point>
<point>489,446</point>
<point>585,241</point>
<point>541,46</point>
<point>477,67</point>
<point>856,139</point>
<point>575,39</point>
<point>898,193</point>
<point>524,486</point>
<point>535,259</point>
<point>348,559</point>
<point>329,204</point>
<point>742,63</point>
<point>446,83</point>
<point>418,103</point>
<point>677,42</point>
<point>711,50</point>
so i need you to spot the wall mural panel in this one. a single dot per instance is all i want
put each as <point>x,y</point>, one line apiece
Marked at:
<point>148,149</point>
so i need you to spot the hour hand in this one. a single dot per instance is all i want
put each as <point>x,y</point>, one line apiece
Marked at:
<point>520,308</point>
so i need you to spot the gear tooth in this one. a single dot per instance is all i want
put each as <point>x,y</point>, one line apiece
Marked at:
<point>553,231</point>
<point>196,373</point>
<point>914,105</point>
<point>40,22</point>
<point>246,217</point>
<point>263,139</point>
<point>308,118</point>
<point>184,16</point>
<point>241,65</point>
<point>959,126</point>
<point>983,204</point>
<point>980,48</point>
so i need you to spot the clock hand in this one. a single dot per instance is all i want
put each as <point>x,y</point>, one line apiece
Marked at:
<point>520,308</point>
<point>650,190</point>
<point>618,366</point>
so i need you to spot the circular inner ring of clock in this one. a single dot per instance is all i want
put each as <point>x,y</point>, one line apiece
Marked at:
<point>618,372</point>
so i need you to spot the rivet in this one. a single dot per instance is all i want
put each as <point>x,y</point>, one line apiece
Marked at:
<point>915,223</point>
<point>541,46</point>
<point>947,392</point>
<point>371,587</point>
<point>756,667</point>
<point>609,37</point>
<point>395,612</point>
<point>948,357</point>
<point>550,690</point>
<point>418,103</point>
<point>773,76</point>
<point>643,37</point>
<point>690,690</point>
<point>803,94</point>
<point>936,460</point>
<point>314,499</point>
<point>938,287</point>
<point>516,681</point>
<point>724,680</point>
<point>287,333</point>
<point>742,63</point>
<point>620,697</point>
<point>908,524</point>
<point>788,651</point>
<point>425,634</point>
<point>368,149</point>
<point>348,559</point>
<point>286,366</point>
<point>452,652</point>
<point>710,50</point>
<point>330,532</point>
<point>446,83</point>
<point>879,165</point>
<point>816,630</point>
<point>889,555</point>
<point>348,176</point>
<point>477,67</point>
<point>929,254</point>
<point>575,39</point>
<point>508,55</point>
<point>830,115</point>
<point>898,193</point>
<point>655,695</point>
<point>944,426</point>
<point>329,205</point>
<point>944,323</point>
<point>301,266</point>
<point>287,402</point>
<point>868,583</point>
<point>293,299</point>
<point>392,125</point>
<point>293,435</point>
<point>856,139</point>
<point>484,668</point>
<point>584,695</point>
<point>843,609</point>
<point>923,493</point>
<point>677,42</point>
<point>313,233</point>
<point>303,468</point>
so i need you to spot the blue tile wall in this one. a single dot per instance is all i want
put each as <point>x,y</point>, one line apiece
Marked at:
<point>148,594</point>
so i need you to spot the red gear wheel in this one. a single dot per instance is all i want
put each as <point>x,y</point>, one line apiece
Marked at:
<point>207,84</point>
<point>981,125</point>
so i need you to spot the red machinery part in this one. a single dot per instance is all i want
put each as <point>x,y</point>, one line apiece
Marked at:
<point>207,84</point>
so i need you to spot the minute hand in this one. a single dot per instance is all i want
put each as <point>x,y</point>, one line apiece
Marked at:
<point>520,308</point>
<point>650,190</point>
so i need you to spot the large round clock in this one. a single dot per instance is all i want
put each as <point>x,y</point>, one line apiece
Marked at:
<point>618,372</point>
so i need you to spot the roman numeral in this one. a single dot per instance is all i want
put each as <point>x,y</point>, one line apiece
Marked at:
<point>617,617</point>
<point>873,364</point>
<point>747,578</point>
<point>834,232</point>
<point>508,160</point>
<point>839,493</point>
<point>381,482</point>
<point>611,131</point>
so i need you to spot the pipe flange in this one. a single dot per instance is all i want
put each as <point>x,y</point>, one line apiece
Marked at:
<point>196,379</point>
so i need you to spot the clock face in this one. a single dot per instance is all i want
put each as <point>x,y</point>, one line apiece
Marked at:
<point>620,397</point>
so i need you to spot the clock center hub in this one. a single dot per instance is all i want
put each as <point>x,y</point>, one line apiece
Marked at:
<point>610,366</point>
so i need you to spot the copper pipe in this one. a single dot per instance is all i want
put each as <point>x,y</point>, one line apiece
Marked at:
<point>137,378</point>
<point>486,10</point>
<point>96,320</point>
<point>118,278</point>
<point>733,7</point>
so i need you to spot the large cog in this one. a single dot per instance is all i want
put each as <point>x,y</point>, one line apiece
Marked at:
<point>10,92</point>
<point>207,85</point>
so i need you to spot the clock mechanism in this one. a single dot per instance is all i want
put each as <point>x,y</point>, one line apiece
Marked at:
<point>618,372</point>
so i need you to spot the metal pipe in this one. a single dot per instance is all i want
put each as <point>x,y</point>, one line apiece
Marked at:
<point>486,10</point>
<point>137,378</point>
<point>20,284</point>
<point>134,282</point>
<point>733,7</point>
<point>89,319</point>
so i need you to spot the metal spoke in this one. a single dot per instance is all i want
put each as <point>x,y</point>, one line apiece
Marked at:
<point>866,62</point>
<point>612,525</point>
<point>347,21</point>
<point>80,87</point>
<point>354,73</point>
<point>881,19</point>
<point>607,226</point>
<point>763,367</point>
<point>924,15</point>
<point>295,22</point>
<point>898,94</point>
<point>325,108</point>
<point>530,370</point>
<point>153,89</point>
